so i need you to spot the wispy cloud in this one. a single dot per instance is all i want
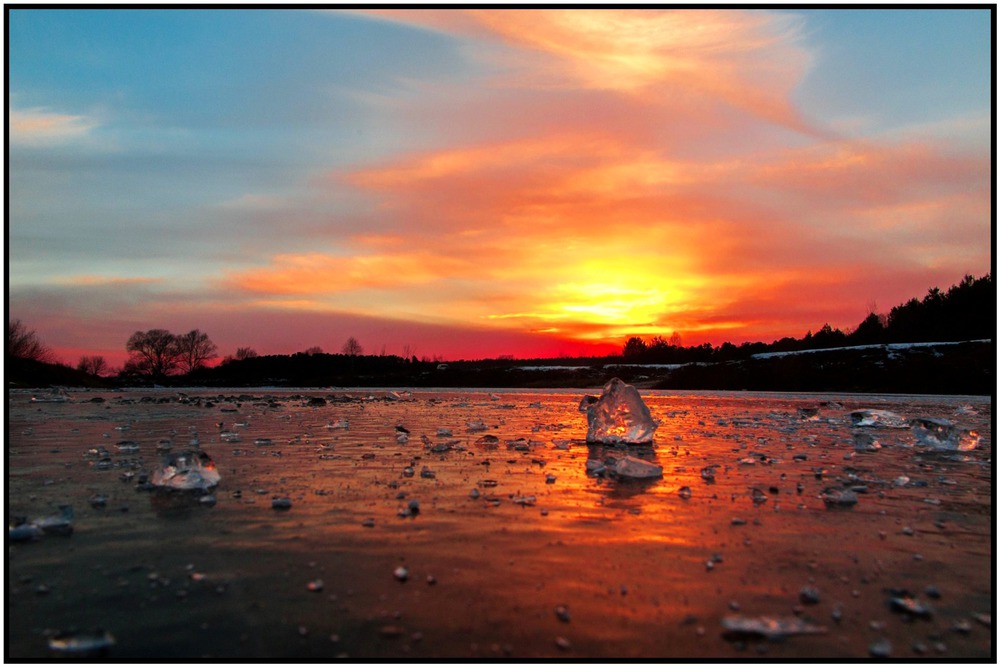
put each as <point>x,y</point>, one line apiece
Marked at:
<point>750,59</point>
<point>43,127</point>
<point>324,274</point>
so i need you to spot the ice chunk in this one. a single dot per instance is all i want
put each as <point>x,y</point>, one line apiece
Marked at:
<point>835,497</point>
<point>866,442</point>
<point>768,627</point>
<point>57,524</point>
<point>943,435</point>
<point>618,416</point>
<point>82,644</point>
<point>878,419</point>
<point>631,467</point>
<point>186,471</point>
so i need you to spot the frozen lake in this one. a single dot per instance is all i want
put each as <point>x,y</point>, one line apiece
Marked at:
<point>514,550</point>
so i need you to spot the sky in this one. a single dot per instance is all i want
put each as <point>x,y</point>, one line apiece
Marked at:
<point>465,184</point>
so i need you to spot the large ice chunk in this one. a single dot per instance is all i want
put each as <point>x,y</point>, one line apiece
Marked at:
<point>942,434</point>
<point>192,470</point>
<point>878,419</point>
<point>618,416</point>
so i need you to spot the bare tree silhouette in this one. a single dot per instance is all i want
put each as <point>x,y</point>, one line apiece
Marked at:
<point>153,353</point>
<point>92,365</point>
<point>23,343</point>
<point>194,349</point>
<point>352,347</point>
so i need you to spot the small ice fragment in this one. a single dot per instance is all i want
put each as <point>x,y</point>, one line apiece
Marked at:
<point>229,436</point>
<point>82,644</point>
<point>401,573</point>
<point>57,524</point>
<point>808,414</point>
<point>262,442</point>
<point>24,532</point>
<point>476,425</point>
<point>186,471</point>
<point>768,627</point>
<point>631,467</point>
<point>127,447</point>
<point>910,606</point>
<point>402,438</point>
<point>866,442</point>
<point>618,416</point>
<point>878,419</point>
<point>315,586</point>
<point>880,648</point>
<point>809,595</point>
<point>942,434</point>
<point>562,613</point>
<point>838,497</point>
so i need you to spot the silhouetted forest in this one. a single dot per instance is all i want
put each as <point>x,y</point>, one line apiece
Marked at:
<point>874,357</point>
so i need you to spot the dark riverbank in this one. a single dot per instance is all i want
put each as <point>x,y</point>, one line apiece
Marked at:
<point>925,368</point>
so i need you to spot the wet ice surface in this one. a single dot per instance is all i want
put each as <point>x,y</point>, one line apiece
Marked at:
<point>331,534</point>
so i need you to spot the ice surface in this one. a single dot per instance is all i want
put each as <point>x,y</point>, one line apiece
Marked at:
<point>943,434</point>
<point>618,416</point>
<point>186,471</point>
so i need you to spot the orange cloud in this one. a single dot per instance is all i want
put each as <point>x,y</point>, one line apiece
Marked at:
<point>320,273</point>
<point>636,176</point>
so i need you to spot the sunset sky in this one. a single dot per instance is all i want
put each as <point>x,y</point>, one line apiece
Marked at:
<point>476,183</point>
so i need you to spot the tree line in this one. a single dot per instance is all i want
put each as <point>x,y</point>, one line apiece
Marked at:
<point>154,354</point>
<point>966,311</point>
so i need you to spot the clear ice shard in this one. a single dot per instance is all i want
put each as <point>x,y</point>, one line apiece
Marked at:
<point>186,471</point>
<point>618,416</point>
<point>878,419</point>
<point>943,435</point>
<point>768,627</point>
